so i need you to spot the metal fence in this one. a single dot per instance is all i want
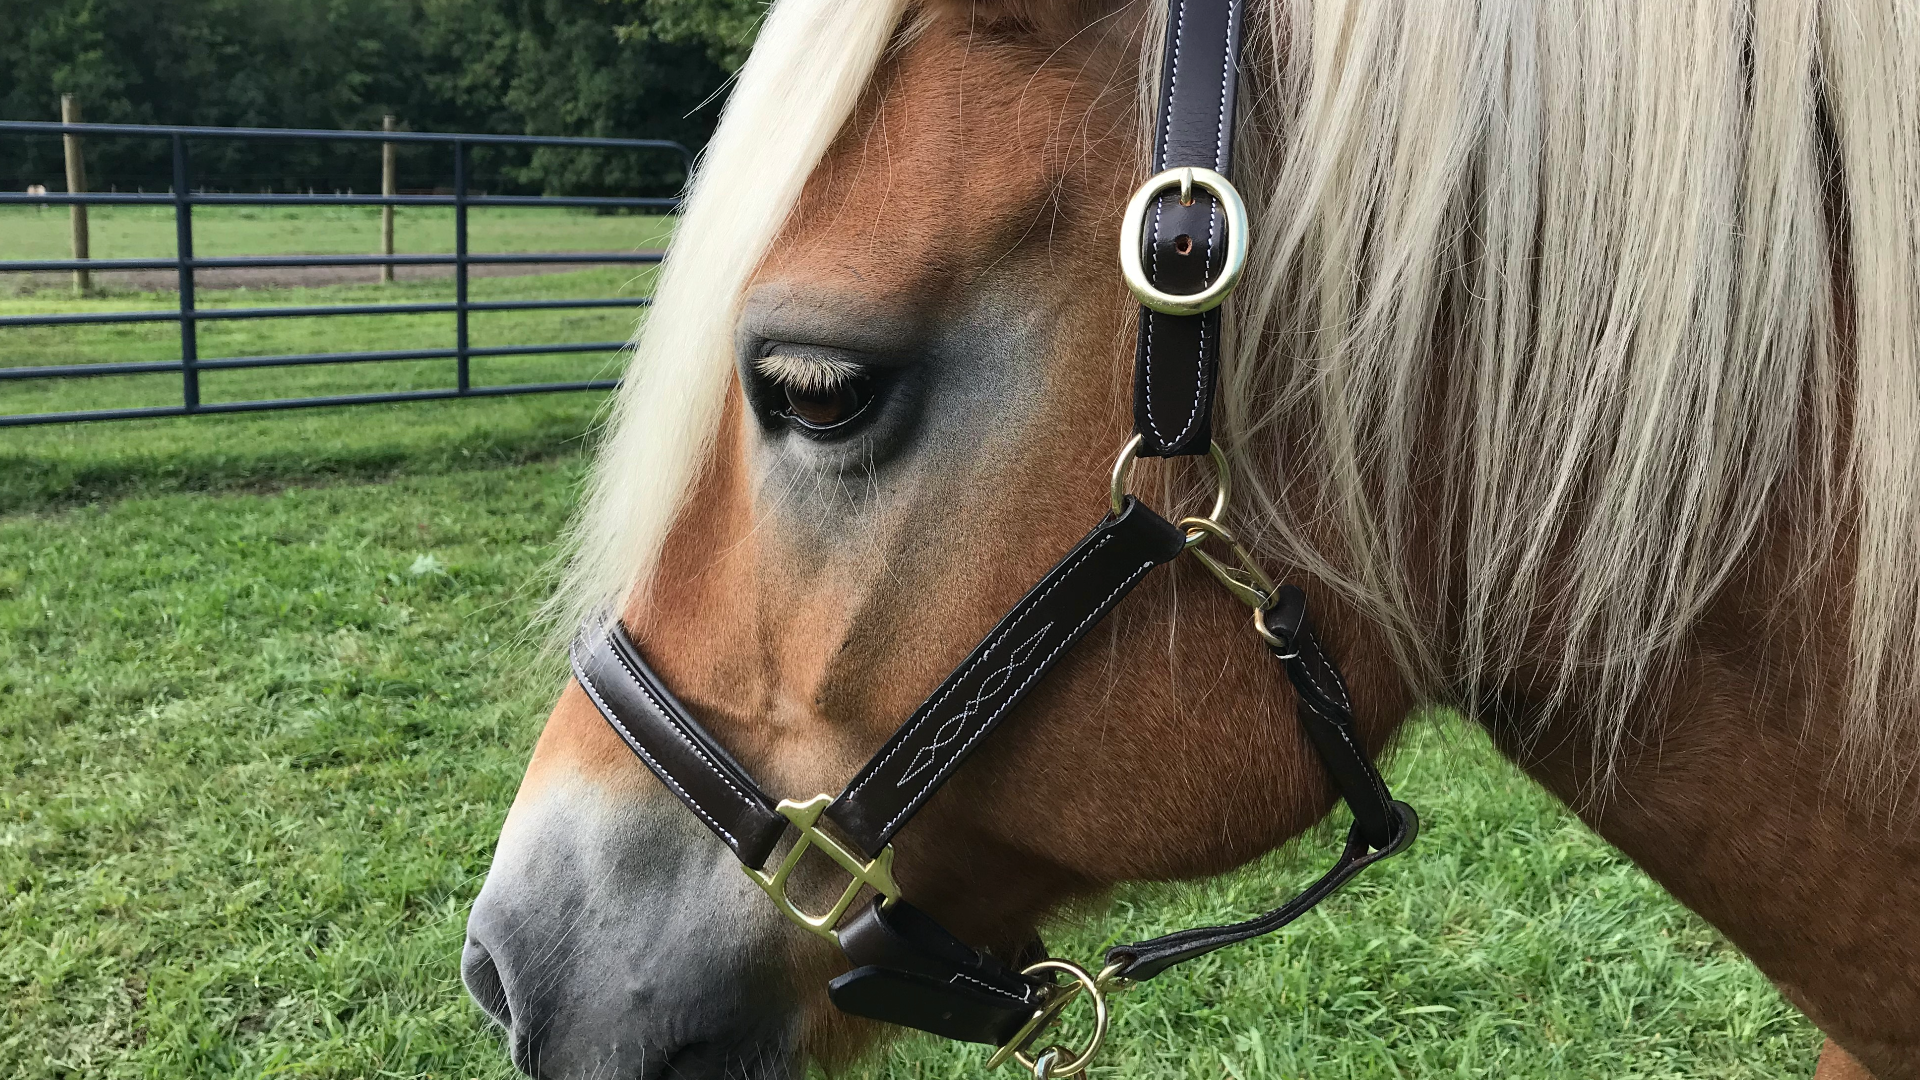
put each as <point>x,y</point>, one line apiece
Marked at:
<point>183,199</point>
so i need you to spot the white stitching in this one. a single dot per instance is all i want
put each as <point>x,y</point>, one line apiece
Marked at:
<point>1219,162</point>
<point>1153,253</point>
<point>1220,140</point>
<point>957,723</point>
<point>989,986</point>
<point>658,769</point>
<point>1379,786</point>
<point>984,727</point>
<point>1226,72</point>
<point>674,722</point>
<point>1373,778</point>
<point>1346,703</point>
<point>1333,676</point>
<point>1153,243</point>
<point>955,680</point>
<point>1179,25</point>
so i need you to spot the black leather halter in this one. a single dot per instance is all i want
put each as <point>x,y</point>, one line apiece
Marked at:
<point>1183,246</point>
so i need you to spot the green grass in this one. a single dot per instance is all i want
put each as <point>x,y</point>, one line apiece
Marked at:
<point>256,744</point>
<point>254,750</point>
<point>146,232</point>
<point>82,463</point>
<point>264,701</point>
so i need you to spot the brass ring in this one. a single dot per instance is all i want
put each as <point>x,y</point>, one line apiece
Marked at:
<point>1092,986</point>
<point>1123,473</point>
<point>1133,228</point>
<point>1273,639</point>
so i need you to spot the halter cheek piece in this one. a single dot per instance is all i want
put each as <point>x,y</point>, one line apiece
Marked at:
<point>1183,246</point>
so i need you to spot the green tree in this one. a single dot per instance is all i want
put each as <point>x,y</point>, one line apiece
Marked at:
<point>623,68</point>
<point>725,28</point>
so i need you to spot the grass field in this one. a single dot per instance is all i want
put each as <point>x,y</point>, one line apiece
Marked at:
<point>146,232</point>
<point>265,697</point>
<point>255,744</point>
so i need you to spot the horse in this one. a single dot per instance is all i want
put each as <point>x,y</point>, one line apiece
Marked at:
<point>1574,376</point>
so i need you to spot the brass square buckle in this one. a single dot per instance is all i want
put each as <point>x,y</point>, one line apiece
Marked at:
<point>877,873</point>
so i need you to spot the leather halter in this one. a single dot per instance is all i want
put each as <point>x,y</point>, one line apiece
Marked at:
<point>1183,246</point>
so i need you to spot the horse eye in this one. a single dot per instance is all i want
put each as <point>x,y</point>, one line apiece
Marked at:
<point>814,392</point>
<point>823,408</point>
<point>827,406</point>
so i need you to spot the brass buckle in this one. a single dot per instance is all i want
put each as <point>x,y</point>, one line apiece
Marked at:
<point>1133,228</point>
<point>876,873</point>
<point>1047,1063</point>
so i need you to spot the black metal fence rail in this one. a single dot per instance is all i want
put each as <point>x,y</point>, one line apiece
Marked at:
<point>183,199</point>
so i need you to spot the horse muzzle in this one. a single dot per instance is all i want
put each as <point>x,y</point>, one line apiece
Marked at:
<point>615,939</point>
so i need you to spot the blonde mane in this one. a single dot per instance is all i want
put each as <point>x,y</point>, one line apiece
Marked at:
<point>1550,284</point>
<point>1610,228</point>
<point>805,74</point>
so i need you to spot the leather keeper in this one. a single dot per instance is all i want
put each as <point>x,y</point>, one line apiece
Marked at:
<point>911,971</point>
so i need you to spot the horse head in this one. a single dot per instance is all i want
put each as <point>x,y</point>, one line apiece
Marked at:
<point>927,389</point>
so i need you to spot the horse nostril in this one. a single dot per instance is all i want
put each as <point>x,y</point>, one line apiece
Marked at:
<point>482,977</point>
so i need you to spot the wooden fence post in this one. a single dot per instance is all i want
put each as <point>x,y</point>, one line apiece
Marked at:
<point>76,183</point>
<point>387,188</point>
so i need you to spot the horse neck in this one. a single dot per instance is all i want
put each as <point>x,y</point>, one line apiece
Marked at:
<point>1735,795</point>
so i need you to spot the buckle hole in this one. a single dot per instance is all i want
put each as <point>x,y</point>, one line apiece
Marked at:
<point>1183,244</point>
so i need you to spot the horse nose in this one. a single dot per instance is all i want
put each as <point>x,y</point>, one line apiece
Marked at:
<point>489,991</point>
<point>544,1038</point>
<point>495,992</point>
<point>482,977</point>
<point>621,941</point>
<point>547,1043</point>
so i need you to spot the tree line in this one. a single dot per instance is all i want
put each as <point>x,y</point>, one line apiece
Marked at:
<point>610,68</point>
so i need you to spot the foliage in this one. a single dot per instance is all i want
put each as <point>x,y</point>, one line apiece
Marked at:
<point>619,68</point>
<point>725,28</point>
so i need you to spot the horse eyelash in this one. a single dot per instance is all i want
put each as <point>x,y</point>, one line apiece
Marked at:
<point>807,374</point>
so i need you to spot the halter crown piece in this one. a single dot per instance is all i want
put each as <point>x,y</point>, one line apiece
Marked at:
<point>1183,246</point>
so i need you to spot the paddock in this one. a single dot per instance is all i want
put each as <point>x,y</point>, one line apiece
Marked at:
<point>144,262</point>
